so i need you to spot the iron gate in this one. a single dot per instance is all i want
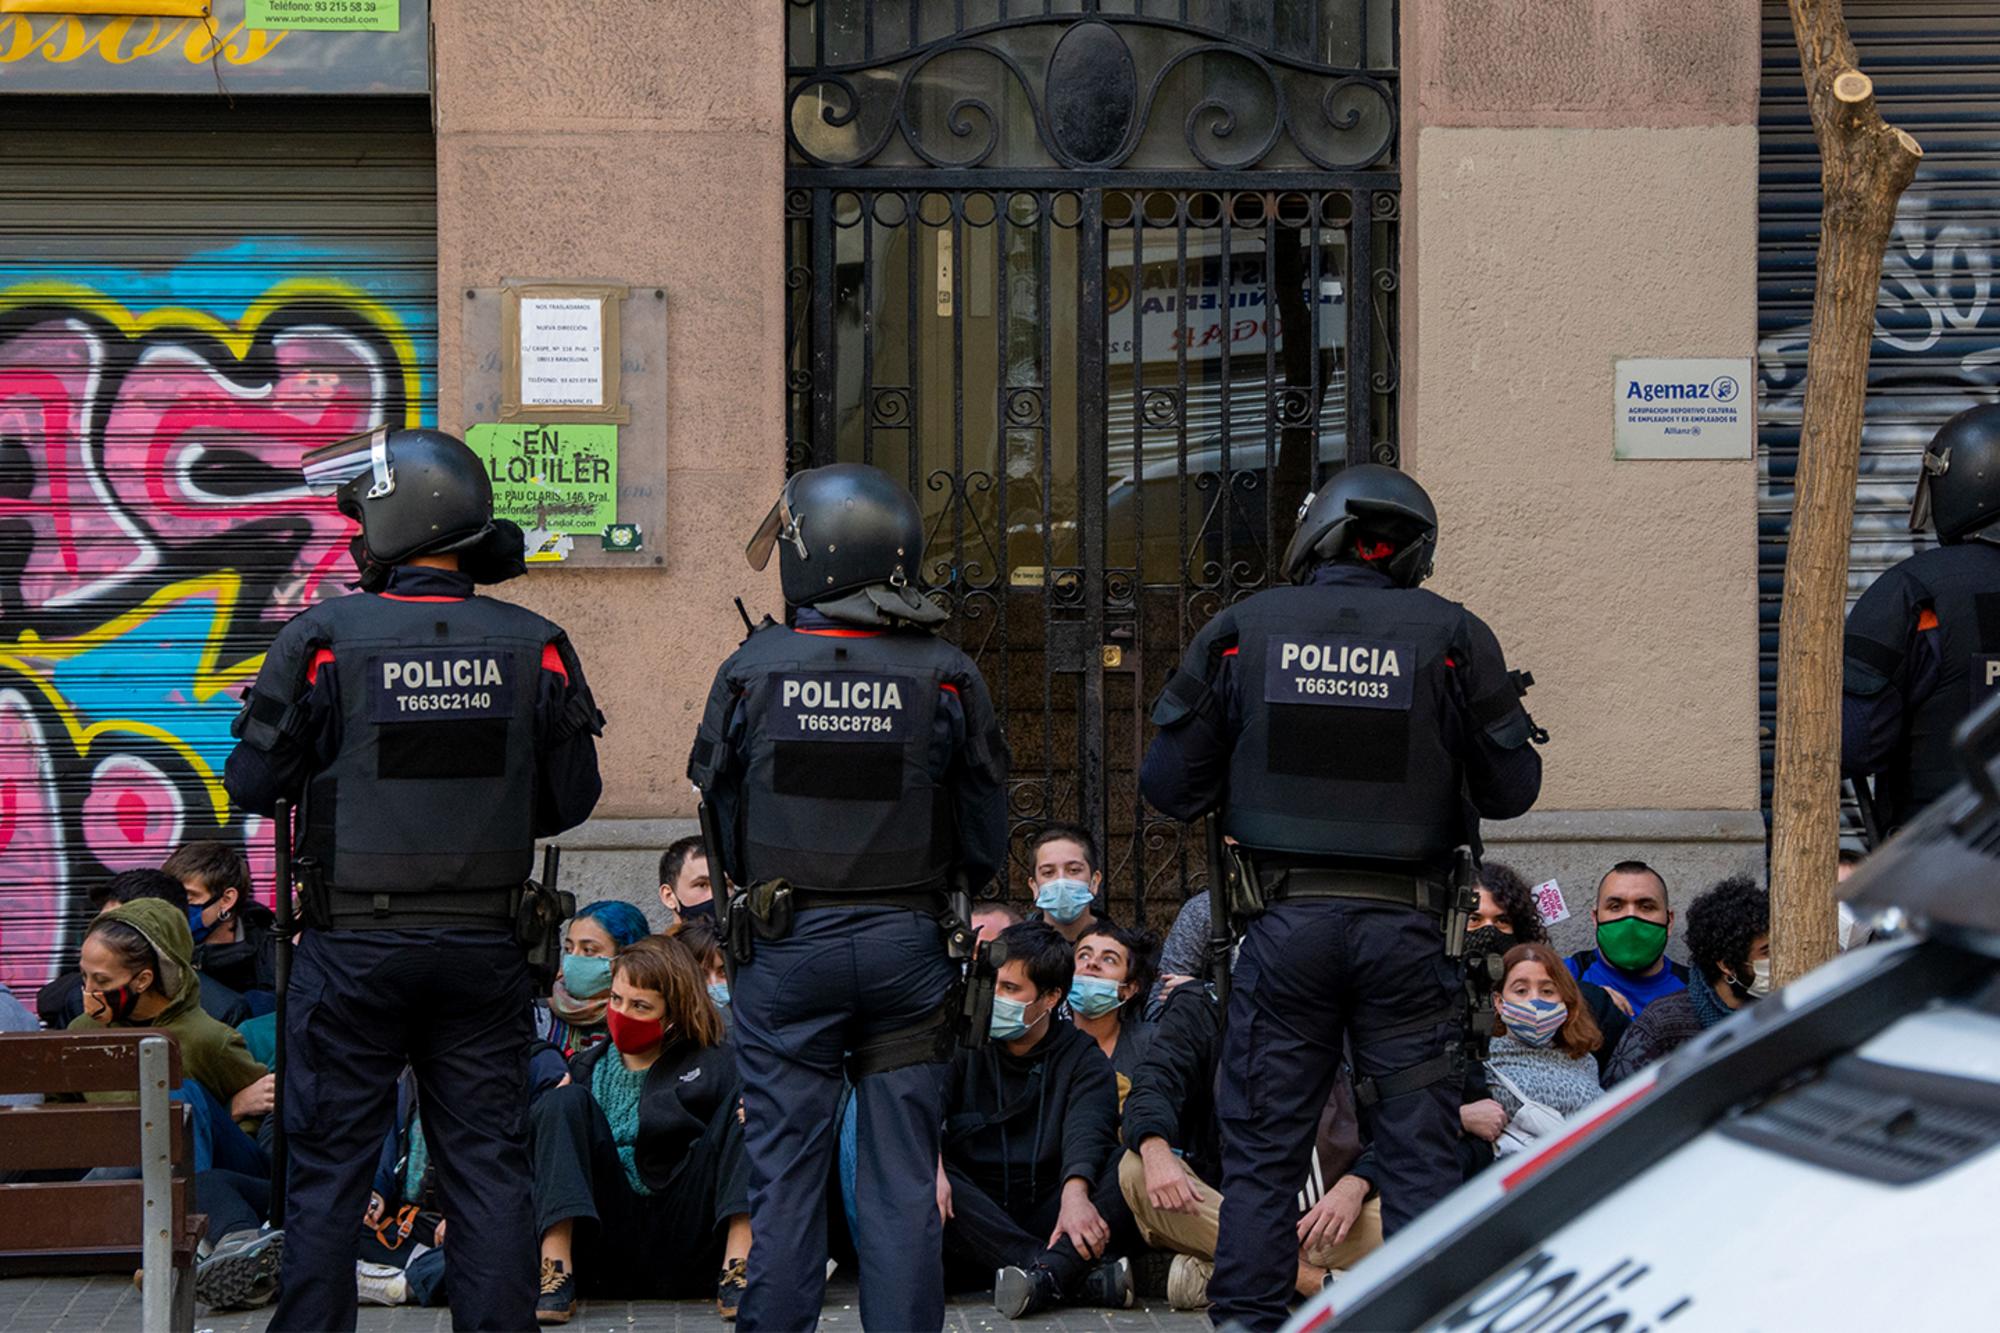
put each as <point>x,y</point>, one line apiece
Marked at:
<point>1111,292</point>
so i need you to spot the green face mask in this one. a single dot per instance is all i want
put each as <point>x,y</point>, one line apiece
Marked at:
<point>1631,943</point>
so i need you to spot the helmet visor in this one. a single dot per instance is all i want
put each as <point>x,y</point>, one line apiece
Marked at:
<point>778,523</point>
<point>1934,465</point>
<point>332,466</point>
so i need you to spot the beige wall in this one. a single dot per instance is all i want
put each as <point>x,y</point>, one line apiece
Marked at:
<point>1582,188</point>
<point>635,140</point>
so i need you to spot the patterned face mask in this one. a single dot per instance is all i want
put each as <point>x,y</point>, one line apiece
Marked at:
<point>1533,1022</point>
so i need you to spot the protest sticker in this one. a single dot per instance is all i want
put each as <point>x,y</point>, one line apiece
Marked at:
<point>1549,902</point>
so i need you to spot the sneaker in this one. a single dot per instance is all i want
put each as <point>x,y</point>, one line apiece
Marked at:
<point>381,1284</point>
<point>242,1271</point>
<point>1108,1286</point>
<point>558,1299</point>
<point>1150,1268</point>
<point>1024,1291</point>
<point>729,1288</point>
<point>1187,1282</point>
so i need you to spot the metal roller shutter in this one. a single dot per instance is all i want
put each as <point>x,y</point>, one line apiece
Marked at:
<point>1936,68</point>
<point>190,296</point>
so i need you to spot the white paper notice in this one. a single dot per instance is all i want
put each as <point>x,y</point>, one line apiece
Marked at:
<point>1549,902</point>
<point>562,352</point>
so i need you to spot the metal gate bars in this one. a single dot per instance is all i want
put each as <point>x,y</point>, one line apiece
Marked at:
<point>1109,387</point>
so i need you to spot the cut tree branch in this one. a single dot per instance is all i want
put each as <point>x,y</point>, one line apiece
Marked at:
<point>1865,165</point>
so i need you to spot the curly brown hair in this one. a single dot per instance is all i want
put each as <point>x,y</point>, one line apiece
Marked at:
<point>1580,1035</point>
<point>1516,903</point>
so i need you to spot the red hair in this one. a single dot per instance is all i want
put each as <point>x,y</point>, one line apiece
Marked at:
<point>1580,1035</point>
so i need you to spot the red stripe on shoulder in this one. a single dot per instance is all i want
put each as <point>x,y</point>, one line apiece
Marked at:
<point>948,687</point>
<point>844,633</point>
<point>552,661</point>
<point>402,597</point>
<point>1229,652</point>
<point>321,657</point>
<point>1927,619</point>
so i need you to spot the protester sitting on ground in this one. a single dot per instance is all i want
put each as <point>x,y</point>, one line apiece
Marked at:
<point>1174,1156</point>
<point>1633,920</point>
<point>1507,907</point>
<point>401,1260</point>
<point>1729,940</point>
<point>1540,1066</point>
<point>61,1000</point>
<point>641,1187</point>
<point>572,1020</point>
<point>1114,975</point>
<point>685,888</point>
<point>235,937</point>
<point>698,936</point>
<point>1031,1122</point>
<point>990,918</point>
<point>1185,953</point>
<point>1065,878</point>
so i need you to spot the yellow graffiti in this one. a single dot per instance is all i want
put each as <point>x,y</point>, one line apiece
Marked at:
<point>71,38</point>
<point>239,336</point>
<point>30,655</point>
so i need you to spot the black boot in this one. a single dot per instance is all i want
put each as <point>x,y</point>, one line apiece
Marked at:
<point>1024,1291</point>
<point>1108,1285</point>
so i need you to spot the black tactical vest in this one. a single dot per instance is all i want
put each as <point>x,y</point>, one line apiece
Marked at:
<point>433,787</point>
<point>1960,585</point>
<point>1342,757</point>
<point>839,795</point>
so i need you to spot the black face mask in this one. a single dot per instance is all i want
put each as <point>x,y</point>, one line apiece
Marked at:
<point>121,1001</point>
<point>696,909</point>
<point>374,577</point>
<point>1487,939</point>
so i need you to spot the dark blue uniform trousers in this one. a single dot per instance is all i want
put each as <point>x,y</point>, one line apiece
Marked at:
<point>1309,973</point>
<point>843,976</point>
<point>454,1004</point>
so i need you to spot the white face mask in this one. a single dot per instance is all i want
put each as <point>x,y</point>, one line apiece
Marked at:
<point>1760,979</point>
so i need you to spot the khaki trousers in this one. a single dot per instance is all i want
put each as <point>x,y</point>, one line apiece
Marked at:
<point>1194,1233</point>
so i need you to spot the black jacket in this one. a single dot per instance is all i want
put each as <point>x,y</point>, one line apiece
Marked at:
<point>686,1088</point>
<point>1173,1090</point>
<point>248,962</point>
<point>1018,1127</point>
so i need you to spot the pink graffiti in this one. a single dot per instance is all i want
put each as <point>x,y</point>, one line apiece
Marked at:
<point>30,849</point>
<point>133,815</point>
<point>80,544</point>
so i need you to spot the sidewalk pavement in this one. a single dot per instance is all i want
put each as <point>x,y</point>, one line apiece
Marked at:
<point>33,1305</point>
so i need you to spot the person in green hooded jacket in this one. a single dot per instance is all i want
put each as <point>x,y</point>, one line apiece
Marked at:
<point>138,972</point>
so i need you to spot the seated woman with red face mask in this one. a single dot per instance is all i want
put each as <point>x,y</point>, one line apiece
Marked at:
<point>641,1188</point>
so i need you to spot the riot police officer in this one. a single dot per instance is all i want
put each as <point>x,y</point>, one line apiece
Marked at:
<point>1923,643</point>
<point>852,772</point>
<point>430,735</point>
<point>1351,730</point>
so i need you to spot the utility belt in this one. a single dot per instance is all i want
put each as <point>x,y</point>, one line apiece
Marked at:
<point>1256,880</point>
<point>534,912</point>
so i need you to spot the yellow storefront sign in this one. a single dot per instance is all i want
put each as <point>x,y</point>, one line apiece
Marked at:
<point>61,39</point>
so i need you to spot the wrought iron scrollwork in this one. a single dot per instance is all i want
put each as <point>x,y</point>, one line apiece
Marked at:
<point>1090,99</point>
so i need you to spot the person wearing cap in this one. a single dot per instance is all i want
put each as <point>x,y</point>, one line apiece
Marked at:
<point>853,780</point>
<point>428,736</point>
<point>1349,732</point>
<point>1923,643</point>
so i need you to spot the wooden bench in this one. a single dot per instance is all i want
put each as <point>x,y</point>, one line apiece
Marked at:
<point>108,1223</point>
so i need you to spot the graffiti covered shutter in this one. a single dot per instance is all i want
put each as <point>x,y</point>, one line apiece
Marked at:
<point>190,297</point>
<point>1937,331</point>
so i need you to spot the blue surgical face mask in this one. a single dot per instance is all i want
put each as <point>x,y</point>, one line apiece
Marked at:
<point>1064,900</point>
<point>719,992</point>
<point>196,925</point>
<point>1094,997</point>
<point>585,977</point>
<point>1010,1019</point>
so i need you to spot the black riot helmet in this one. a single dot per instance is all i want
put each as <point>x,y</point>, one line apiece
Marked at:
<point>1372,515</point>
<point>414,492</point>
<point>841,529</point>
<point>1958,491</point>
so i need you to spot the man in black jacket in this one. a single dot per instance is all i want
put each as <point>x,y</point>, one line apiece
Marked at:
<point>235,938</point>
<point>1031,1123</point>
<point>1174,1155</point>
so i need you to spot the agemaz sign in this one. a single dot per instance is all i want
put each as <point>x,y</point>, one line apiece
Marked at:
<point>1683,407</point>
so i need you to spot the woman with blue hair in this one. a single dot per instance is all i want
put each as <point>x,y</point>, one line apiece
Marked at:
<point>574,1018</point>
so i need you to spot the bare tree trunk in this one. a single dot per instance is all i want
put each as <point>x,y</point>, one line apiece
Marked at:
<point>1865,164</point>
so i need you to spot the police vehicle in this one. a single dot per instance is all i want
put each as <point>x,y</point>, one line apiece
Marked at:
<point>1827,1158</point>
